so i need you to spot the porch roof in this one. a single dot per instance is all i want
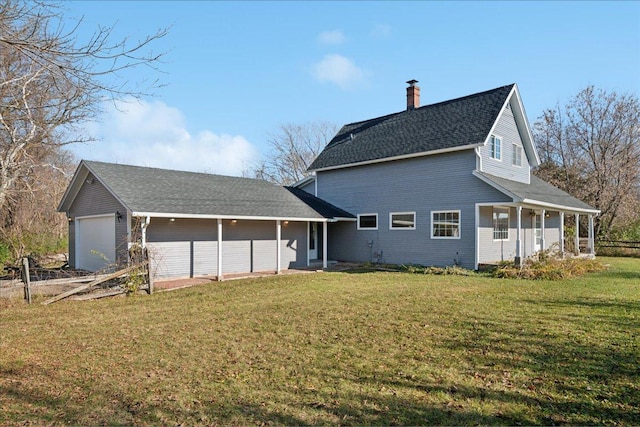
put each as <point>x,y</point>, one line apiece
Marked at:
<point>537,192</point>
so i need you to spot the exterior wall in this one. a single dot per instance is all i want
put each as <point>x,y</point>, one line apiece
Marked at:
<point>95,199</point>
<point>189,247</point>
<point>293,245</point>
<point>421,185</point>
<point>508,131</point>
<point>183,248</point>
<point>492,251</point>
<point>309,188</point>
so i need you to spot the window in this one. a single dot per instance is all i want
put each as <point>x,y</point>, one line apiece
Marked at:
<point>517,155</point>
<point>495,147</point>
<point>445,224</point>
<point>402,221</point>
<point>368,222</point>
<point>500,223</point>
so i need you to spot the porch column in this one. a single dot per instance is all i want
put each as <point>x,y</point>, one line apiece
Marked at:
<point>542,242</point>
<point>561,236</point>
<point>278,250</point>
<point>518,259</point>
<point>592,243</point>
<point>577,238</point>
<point>324,245</point>
<point>307,240</point>
<point>220,277</point>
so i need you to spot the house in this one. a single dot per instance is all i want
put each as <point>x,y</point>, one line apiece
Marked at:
<point>193,224</point>
<point>443,184</point>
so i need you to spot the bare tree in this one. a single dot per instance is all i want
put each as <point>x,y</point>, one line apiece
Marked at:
<point>591,149</point>
<point>292,149</point>
<point>50,83</point>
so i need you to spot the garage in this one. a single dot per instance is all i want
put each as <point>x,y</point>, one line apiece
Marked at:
<point>95,242</point>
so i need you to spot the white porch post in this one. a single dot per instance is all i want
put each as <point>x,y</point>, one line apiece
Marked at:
<point>278,249</point>
<point>518,235</point>
<point>307,240</point>
<point>220,277</point>
<point>324,245</point>
<point>592,242</point>
<point>542,242</point>
<point>561,236</point>
<point>577,238</point>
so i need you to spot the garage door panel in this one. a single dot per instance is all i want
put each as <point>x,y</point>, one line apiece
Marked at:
<point>96,243</point>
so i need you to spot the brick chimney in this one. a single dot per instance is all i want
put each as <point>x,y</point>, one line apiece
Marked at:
<point>413,95</point>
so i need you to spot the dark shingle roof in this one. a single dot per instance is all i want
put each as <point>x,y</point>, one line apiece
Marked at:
<point>152,190</point>
<point>537,191</point>
<point>445,125</point>
<point>325,209</point>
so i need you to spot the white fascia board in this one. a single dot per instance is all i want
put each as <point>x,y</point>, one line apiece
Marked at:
<point>521,120</point>
<point>73,188</point>
<point>495,123</point>
<point>560,207</point>
<point>304,181</point>
<point>404,156</point>
<point>209,216</point>
<point>338,218</point>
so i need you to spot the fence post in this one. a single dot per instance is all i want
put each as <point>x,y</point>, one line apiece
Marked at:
<point>26,278</point>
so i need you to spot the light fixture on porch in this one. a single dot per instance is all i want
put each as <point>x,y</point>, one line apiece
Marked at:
<point>286,223</point>
<point>547,214</point>
<point>233,221</point>
<point>172,220</point>
<point>118,216</point>
<point>532,213</point>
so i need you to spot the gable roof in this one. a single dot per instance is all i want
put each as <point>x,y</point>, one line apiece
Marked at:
<point>537,192</point>
<point>161,192</point>
<point>446,126</point>
<point>324,208</point>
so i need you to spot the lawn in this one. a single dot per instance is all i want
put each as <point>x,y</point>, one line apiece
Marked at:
<point>333,348</point>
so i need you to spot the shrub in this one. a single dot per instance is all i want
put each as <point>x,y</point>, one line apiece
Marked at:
<point>547,267</point>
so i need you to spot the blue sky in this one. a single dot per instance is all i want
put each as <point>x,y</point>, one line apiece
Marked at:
<point>236,71</point>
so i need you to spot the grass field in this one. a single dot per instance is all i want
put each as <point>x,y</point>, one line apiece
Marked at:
<point>333,348</point>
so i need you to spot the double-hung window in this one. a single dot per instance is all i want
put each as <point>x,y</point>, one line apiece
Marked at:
<point>517,155</point>
<point>445,224</point>
<point>500,223</point>
<point>368,221</point>
<point>495,147</point>
<point>402,221</point>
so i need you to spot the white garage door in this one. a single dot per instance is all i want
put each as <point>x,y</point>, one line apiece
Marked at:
<point>95,242</point>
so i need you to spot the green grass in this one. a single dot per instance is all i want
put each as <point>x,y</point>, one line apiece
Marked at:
<point>333,348</point>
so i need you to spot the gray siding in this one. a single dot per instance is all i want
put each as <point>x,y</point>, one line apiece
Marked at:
<point>421,185</point>
<point>183,248</point>
<point>95,199</point>
<point>309,188</point>
<point>293,245</point>
<point>492,251</point>
<point>508,131</point>
<point>248,246</point>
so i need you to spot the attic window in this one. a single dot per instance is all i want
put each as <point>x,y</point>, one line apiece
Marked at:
<point>495,147</point>
<point>517,155</point>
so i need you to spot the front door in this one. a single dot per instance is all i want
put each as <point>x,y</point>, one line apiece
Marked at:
<point>537,233</point>
<point>313,240</point>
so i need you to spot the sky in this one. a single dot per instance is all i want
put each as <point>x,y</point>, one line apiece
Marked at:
<point>234,72</point>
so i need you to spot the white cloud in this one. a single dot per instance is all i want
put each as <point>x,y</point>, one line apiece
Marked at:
<point>381,31</point>
<point>154,134</point>
<point>338,69</point>
<point>331,37</point>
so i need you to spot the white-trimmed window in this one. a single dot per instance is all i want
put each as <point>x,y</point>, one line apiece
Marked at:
<point>402,221</point>
<point>445,224</point>
<point>517,155</point>
<point>368,221</point>
<point>495,147</point>
<point>500,223</point>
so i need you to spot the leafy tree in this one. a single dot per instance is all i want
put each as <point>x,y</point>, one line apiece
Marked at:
<point>292,149</point>
<point>51,82</point>
<point>591,149</point>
